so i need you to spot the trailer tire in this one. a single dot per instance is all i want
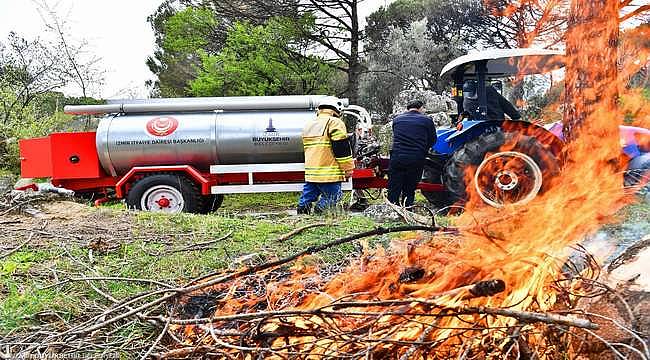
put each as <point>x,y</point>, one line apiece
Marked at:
<point>211,203</point>
<point>503,168</point>
<point>168,193</point>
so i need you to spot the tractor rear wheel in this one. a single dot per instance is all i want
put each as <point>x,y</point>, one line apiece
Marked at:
<point>168,193</point>
<point>501,168</point>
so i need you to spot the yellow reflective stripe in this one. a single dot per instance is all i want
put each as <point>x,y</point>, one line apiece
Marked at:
<point>344,158</point>
<point>321,167</point>
<point>315,141</point>
<point>324,172</point>
<point>338,133</point>
<point>323,175</point>
<point>326,145</point>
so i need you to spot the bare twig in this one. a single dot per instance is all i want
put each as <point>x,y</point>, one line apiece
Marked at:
<point>201,245</point>
<point>155,343</point>
<point>297,231</point>
<point>530,317</point>
<point>29,238</point>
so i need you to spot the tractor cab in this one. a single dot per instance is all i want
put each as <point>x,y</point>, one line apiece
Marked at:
<point>484,68</point>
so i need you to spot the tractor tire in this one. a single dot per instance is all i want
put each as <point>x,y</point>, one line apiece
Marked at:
<point>168,193</point>
<point>501,168</point>
<point>211,203</point>
<point>638,171</point>
<point>432,174</point>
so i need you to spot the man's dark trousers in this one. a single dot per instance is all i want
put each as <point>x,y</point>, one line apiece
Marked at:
<point>404,176</point>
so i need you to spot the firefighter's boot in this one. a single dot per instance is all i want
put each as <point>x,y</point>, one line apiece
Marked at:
<point>303,210</point>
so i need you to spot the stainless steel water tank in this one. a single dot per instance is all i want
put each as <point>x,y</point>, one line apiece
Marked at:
<point>200,139</point>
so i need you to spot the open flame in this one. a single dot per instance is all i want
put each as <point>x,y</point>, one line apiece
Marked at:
<point>416,299</point>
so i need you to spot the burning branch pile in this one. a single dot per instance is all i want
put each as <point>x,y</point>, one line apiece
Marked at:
<point>446,293</point>
<point>419,300</point>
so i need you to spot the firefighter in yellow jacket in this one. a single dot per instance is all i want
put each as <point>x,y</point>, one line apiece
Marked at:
<point>328,157</point>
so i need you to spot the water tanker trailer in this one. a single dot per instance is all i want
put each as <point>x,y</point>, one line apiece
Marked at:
<point>184,154</point>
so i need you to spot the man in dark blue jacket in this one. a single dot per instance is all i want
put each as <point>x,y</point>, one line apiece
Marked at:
<point>413,135</point>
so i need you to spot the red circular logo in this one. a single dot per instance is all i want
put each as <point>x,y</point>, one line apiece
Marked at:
<point>162,126</point>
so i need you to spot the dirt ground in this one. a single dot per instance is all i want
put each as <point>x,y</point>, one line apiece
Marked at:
<point>64,221</point>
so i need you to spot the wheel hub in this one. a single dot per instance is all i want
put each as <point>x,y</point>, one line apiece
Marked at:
<point>508,177</point>
<point>163,202</point>
<point>506,180</point>
<point>162,198</point>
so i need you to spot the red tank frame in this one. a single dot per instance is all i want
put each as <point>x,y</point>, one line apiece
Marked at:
<point>71,161</point>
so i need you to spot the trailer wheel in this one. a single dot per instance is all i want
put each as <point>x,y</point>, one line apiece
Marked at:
<point>501,168</point>
<point>168,193</point>
<point>211,203</point>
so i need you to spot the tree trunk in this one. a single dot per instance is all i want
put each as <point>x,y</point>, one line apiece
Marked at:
<point>591,48</point>
<point>354,70</point>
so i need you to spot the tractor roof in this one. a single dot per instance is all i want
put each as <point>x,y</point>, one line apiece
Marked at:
<point>507,62</point>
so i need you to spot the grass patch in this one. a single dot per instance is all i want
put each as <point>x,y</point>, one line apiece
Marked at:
<point>154,250</point>
<point>252,234</point>
<point>260,202</point>
<point>21,303</point>
<point>6,173</point>
<point>263,202</point>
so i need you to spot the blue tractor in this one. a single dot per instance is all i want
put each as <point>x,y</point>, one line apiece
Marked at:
<point>505,161</point>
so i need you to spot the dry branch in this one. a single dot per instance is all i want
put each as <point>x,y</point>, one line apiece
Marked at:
<point>297,231</point>
<point>333,309</point>
<point>201,245</point>
<point>530,317</point>
<point>29,238</point>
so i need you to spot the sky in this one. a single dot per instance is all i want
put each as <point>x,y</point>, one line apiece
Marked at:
<point>117,31</point>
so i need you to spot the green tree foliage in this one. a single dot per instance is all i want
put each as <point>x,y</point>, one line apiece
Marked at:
<point>409,42</point>
<point>185,31</point>
<point>264,59</point>
<point>189,30</point>
<point>181,37</point>
<point>447,20</point>
<point>332,35</point>
<point>335,33</point>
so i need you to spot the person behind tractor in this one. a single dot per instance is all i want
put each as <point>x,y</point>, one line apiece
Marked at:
<point>497,105</point>
<point>328,157</point>
<point>413,135</point>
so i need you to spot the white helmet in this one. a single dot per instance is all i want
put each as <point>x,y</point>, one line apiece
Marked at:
<point>331,102</point>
